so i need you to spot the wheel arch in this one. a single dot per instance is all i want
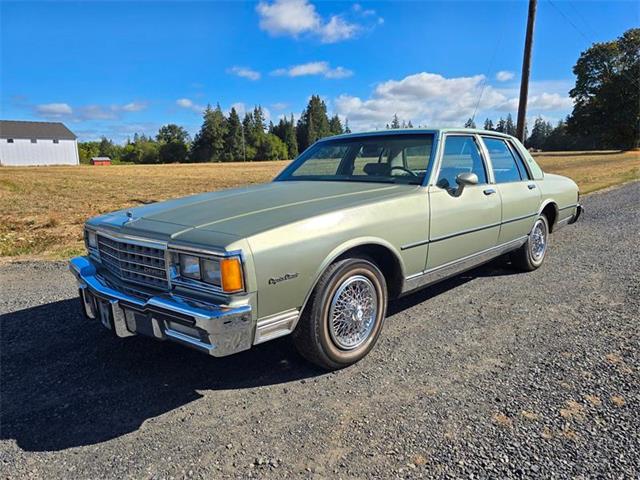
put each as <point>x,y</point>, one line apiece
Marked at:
<point>384,255</point>
<point>550,208</point>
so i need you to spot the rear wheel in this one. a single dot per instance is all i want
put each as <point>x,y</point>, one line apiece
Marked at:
<point>531,255</point>
<point>345,314</point>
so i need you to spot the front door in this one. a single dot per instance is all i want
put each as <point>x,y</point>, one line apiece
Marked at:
<point>519,194</point>
<point>469,223</point>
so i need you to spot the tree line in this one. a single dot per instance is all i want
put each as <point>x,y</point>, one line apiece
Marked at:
<point>224,138</point>
<point>606,115</point>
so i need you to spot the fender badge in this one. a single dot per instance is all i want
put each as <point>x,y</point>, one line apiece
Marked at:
<point>286,276</point>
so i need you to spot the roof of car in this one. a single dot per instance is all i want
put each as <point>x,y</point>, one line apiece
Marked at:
<point>414,131</point>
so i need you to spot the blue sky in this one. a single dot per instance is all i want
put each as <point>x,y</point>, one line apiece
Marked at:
<point>115,68</point>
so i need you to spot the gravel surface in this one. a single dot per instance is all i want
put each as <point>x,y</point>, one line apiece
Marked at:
<point>491,374</point>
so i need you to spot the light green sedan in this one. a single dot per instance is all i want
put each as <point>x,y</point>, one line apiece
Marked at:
<point>355,221</point>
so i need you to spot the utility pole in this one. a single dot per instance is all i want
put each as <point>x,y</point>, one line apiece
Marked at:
<point>526,70</point>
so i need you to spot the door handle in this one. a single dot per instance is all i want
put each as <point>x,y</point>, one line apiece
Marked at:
<point>531,186</point>
<point>489,191</point>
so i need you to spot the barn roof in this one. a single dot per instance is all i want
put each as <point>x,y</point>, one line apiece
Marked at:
<point>45,130</point>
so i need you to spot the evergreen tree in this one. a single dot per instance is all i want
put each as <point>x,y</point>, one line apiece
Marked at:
<point>233,140</point>
<point>313,123</point>
<point>488,124</point>
<point>286,131</point>
<point>346,126</point>
<point>501,126</point>
<point>470,123</point>
<point>208,144</point>
<point>335,125</point>
<point>395,122</point>
<point>509,126</point>
<point>409,124</point>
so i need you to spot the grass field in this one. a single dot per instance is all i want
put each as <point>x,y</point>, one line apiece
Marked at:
<point>42,209</point>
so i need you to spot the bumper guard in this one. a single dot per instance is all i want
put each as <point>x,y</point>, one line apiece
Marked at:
<point>214,329</point>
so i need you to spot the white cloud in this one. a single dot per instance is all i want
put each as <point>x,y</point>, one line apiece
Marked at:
<point>279,105</point>
<point>298,17</point>
<point>430,99</point>
<point>97,112</point>
<point>314,68</point>
<point>133,107</point>
<point>337,29</point>
<point>240,108</point>
<point>549,101</point>
<point>244,72</point>
<point>87,112</point>
<point>54,110</point>
<point>190,105</point>
<point>504,76</point>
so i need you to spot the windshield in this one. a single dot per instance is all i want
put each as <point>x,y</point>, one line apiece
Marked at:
<point>380,158</point>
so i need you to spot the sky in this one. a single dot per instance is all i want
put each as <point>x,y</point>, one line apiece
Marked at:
<point>116,68</point>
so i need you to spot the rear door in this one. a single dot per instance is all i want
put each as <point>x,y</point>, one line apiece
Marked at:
<point>467,224</point>
<point>519,193</point>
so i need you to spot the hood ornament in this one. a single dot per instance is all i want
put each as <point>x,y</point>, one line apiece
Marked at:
<point>130,217</point>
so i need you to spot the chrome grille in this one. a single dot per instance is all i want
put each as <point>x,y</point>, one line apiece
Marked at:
<point>134,263</point>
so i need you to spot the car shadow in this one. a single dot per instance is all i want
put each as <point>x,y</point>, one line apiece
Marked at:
<point>66,382</point>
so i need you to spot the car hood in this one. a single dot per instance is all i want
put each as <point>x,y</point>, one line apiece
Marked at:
<point>245,211</point>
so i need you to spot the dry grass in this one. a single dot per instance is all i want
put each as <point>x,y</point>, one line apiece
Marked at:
<point>593,170</point>
<point>42,209</point>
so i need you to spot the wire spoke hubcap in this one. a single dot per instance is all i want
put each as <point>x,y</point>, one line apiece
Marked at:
<point>538,240</point>
<point>353,312</point>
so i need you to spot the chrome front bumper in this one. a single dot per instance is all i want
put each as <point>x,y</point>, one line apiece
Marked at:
<point>213,329</point>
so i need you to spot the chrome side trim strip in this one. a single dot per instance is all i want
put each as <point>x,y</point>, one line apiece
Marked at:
<point>570,206</point>
<point>517,219</point>
<point>275,326</point>
<point>455,267</point>
<point>464,232</point>
<point>414,244</point>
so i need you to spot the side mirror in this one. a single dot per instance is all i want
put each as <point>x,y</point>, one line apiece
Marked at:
<point>463,180</point>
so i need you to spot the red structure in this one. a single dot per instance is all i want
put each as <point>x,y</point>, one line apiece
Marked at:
<point>100,161</point>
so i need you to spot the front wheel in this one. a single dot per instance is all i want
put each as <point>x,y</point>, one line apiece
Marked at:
<point>345,314</point>
<point>531,255</point>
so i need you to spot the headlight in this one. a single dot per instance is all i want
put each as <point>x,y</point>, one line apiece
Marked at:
<point>190,266</point>
<point>211,272</point>
<point>92,239</point>
<point>225,273</point>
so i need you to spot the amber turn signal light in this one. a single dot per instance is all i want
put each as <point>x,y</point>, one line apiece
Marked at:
<point>231,273</point>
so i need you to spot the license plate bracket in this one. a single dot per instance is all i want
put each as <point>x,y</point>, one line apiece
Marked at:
<point>106,314</point>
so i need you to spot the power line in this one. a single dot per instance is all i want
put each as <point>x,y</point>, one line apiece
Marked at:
<point>489,68</point>
<point>588,39</point>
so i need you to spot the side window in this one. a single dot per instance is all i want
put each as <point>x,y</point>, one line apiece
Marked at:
<point>504,164</point>
<point>461,155</point>
<point>524,173</point>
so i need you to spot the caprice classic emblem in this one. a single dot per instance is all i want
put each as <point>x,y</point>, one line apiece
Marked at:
<point>286,276</point>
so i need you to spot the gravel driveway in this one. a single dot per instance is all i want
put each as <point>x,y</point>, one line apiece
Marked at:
<point>491,374</point>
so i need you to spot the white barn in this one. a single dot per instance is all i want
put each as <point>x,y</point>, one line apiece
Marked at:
<point>37,143</point>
